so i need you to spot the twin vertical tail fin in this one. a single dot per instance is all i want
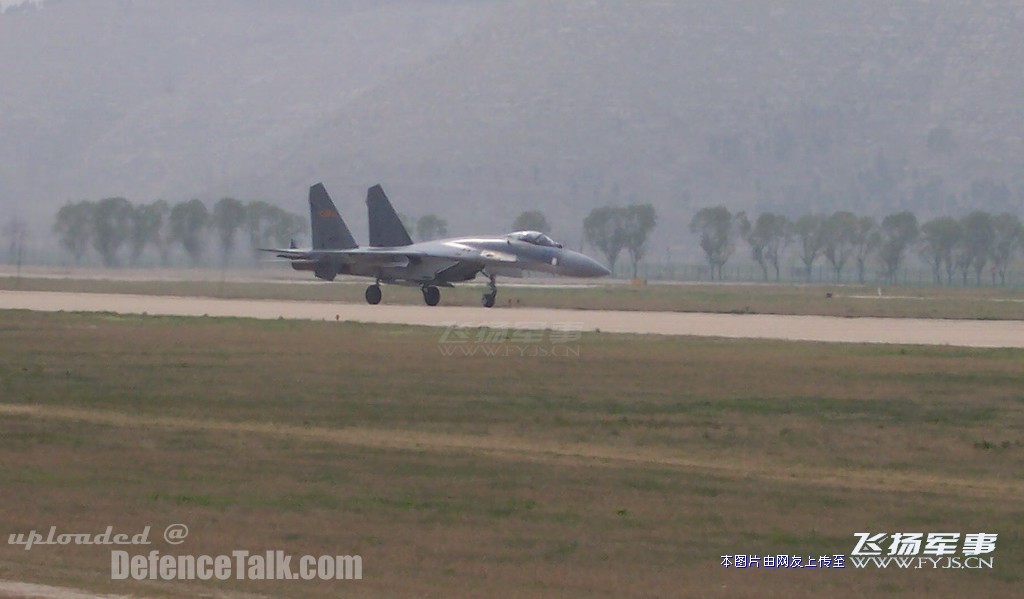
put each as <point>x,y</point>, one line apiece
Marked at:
<point>386,229</point>
<point>331,233</point>
<point>329,230</point>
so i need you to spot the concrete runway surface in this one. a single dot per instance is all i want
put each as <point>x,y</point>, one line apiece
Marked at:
<point>963,333</point>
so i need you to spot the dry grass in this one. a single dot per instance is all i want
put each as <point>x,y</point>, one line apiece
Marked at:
<point>845,300</point>
<point>624,472</point>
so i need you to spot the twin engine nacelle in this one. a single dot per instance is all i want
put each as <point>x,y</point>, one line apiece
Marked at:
<point>322,269</point>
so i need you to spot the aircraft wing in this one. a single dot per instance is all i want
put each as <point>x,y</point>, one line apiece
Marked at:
<point>294,253</point>
<point>447,256</point>
<point>379,257</point>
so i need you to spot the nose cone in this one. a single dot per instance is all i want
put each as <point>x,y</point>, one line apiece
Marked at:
<point>577,265</point>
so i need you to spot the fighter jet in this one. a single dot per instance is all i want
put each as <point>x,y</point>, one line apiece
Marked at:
<point>393,258</point>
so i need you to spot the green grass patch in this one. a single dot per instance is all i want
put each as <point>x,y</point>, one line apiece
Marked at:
<point>631,467</point>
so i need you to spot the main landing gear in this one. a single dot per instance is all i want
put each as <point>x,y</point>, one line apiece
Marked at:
<point>431,295</point>
<point>488,298</point>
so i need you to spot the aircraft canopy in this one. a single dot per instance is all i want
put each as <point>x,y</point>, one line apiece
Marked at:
<point>534,237</point>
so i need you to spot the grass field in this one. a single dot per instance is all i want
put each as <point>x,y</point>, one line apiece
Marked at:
<point>624,467</point>
<point>846,300</point>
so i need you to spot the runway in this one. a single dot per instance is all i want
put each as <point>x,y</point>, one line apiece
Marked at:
<point>962,333</point>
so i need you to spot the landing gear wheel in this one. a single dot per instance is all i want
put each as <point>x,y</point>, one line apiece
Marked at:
<point>488,299</point>
<point>373,294</point>
<point>431,295</point>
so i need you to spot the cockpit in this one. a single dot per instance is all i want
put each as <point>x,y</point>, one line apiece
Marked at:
<point>535,238</point>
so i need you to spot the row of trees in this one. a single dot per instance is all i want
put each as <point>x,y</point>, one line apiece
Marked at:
<point>112,226</point>
<point>951,247</point>
<point>948,245</point>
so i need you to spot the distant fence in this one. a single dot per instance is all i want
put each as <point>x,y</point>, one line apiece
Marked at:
<point>820,274</point>
<point>742,271</point>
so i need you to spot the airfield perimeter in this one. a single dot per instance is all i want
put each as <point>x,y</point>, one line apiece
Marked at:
<point>917,331</point>
<point>624,468</point>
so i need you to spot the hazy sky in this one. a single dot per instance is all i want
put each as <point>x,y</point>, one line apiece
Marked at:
<point>479,110</point>
<point>4,4</point>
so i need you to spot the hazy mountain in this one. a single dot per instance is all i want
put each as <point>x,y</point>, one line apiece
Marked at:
<point>478,110</point>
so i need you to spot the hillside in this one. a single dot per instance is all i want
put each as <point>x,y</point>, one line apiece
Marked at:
<point>479,110</point>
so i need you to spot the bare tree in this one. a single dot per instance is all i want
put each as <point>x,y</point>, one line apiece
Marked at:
<point>897,232</point>
<point>147,222</point>
<point>603,229</point>
<point>939,238</point>
<point>111,228</point>
<point>638,221</point>
<point>431,226</point>
<point>767,239</point>
<point>228,217</point>
<point>531,220</point>
<point>188,225</point>
<point>809,235</point>
<point>1009,237</point>
<point>16,232</point>
<point>976,246</point>
<point>73,226</point>
<point>719,229</point>
<point>162,240</point>
<point>838,234</point>
<point>285,226</point>
<point>866,238</point>
<point>257,223</point>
